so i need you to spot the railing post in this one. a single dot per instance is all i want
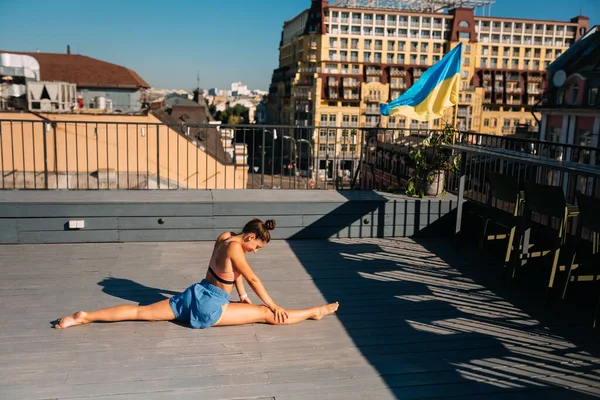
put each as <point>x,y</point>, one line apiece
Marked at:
<point>44,130</point>
<point>461,202</point>
<point>157,157</point>
<point>262,163</point>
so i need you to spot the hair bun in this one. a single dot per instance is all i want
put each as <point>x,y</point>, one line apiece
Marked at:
<point>270,224</point>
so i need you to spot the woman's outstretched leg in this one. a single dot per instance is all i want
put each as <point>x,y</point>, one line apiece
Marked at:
<point>160,311</point>
<point>242,313</point>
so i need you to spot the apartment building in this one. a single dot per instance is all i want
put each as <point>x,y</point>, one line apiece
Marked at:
<point>339,61</point>
<point>571,109</point>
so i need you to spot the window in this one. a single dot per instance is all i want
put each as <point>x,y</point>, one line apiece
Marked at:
<point>593,96</point>
<point>573,94</point>
<point>560,96</point>
<point>463,24</point>
<point>486,122</point>
<point>464,35</point>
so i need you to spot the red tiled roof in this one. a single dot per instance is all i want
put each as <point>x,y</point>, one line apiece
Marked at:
<point>84,71</point>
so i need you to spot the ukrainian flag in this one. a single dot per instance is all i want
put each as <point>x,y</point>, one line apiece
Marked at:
<point>434,91</point>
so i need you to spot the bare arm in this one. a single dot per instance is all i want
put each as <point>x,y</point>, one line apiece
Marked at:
<point>239,285</point>
<point>236,253</point>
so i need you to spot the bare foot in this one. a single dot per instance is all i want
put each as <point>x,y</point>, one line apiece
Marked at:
<point>71,320</point>
<point>326,310</point>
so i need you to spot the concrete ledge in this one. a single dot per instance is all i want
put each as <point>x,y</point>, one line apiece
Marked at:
<point>155,216</point>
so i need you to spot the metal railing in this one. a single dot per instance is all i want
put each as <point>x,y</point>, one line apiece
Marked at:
<point>92,154</point>
<point>387,165</point>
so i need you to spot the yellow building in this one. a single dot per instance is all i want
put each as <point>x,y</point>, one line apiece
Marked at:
<point>339,61</point>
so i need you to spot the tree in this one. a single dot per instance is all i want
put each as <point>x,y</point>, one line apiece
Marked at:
<point>236,115</point>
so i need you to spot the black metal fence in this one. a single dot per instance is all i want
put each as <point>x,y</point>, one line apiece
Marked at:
<point>98,154</point>
<point>543,162</point>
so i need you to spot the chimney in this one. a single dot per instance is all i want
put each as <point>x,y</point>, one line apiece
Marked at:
<point>68,49</point>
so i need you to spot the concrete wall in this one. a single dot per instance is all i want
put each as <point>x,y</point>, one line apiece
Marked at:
<point>106,152</point>
<point>155,216</point>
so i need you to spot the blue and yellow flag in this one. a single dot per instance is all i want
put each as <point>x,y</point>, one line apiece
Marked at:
<point>434,91</point>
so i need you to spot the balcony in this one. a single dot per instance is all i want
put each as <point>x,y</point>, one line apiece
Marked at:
<point>373,71</point>
<point>303,95</point>
<point>351,96</point>
<point>397,72</point>
<point>398,85</point>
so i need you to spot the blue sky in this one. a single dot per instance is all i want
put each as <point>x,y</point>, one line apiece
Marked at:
<point>168,42</point>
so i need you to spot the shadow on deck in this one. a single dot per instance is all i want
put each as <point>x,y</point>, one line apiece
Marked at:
<point>435,319</point>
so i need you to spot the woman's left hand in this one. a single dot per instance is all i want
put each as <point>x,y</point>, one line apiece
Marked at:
<point>245,299</point>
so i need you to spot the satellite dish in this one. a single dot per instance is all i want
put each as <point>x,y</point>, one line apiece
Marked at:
<point>559,78</point>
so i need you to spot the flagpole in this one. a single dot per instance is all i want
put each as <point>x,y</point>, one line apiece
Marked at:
<point>456,110</point>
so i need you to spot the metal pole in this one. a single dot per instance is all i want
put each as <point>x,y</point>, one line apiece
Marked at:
<point>262,165</point>
<point>45,156</point>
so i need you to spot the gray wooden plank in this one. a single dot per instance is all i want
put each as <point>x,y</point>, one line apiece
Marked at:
<point>79,236</point>
<point>237,222</point>
<point>168,235</point>
<point>8,230</point>
<point>54,210</point>
<point>164,223</point>
<point>62,224</point>
<point>299,208</point>
<point>105,196</point>
<point>297,196</point>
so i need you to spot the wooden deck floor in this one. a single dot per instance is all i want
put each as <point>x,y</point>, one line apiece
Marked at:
<point>418,319</point>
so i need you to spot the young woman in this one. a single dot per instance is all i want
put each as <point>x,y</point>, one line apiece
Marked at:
<point>207,304</point>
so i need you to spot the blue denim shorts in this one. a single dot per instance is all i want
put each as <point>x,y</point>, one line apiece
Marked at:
<point>200,305</point>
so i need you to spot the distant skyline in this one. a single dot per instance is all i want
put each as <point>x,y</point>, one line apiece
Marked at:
<point>167,44</point>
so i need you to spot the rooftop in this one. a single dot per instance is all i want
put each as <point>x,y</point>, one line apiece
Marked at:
<point>411,5</point>
<point>84,71</point>
<point>419,318</point>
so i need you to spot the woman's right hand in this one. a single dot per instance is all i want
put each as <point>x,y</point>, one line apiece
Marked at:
<point>280,314</point>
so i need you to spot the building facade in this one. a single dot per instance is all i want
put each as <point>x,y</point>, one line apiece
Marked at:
<point>339,61</point>
<point>100,86</point>
<point>571,106</point>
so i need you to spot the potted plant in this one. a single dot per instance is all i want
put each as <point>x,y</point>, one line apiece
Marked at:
<point>431,162</point>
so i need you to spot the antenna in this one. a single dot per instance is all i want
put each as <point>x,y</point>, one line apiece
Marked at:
<point>198,80</point>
